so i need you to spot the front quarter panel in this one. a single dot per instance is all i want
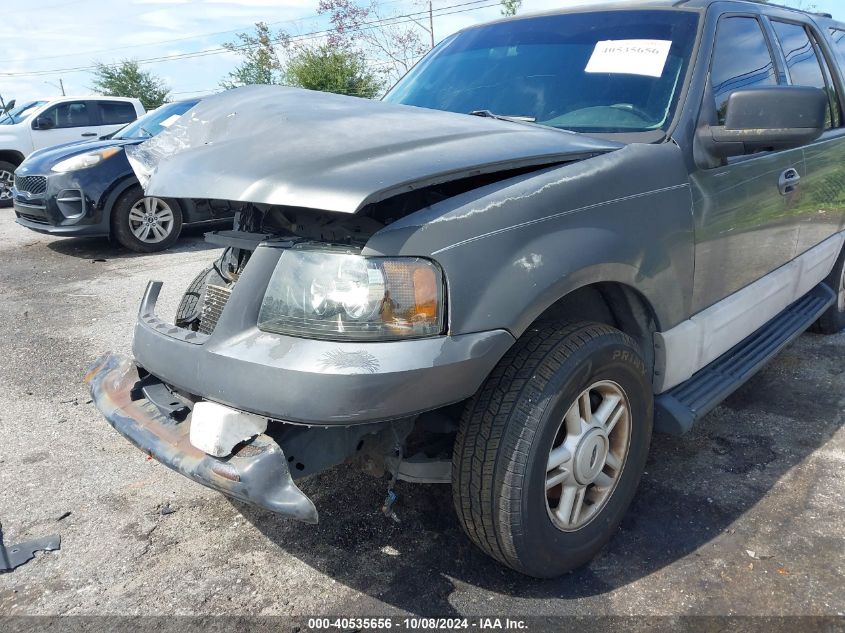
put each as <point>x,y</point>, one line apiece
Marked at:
<point>16,138</point>
<point>511,249</point>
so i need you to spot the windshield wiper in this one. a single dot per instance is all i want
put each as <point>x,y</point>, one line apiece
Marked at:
<point>515,118</point>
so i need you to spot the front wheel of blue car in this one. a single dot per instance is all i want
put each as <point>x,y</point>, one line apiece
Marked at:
<point>145,224</point>
<point>551,449</point>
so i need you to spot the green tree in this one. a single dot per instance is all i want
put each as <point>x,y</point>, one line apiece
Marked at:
<point>510,7</point>
<point>332,69</point>
<point>392,40</point>
<point>261,64</point>
<point>126,79</point>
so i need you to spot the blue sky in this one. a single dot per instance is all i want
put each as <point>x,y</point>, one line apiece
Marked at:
<point>45,35</point>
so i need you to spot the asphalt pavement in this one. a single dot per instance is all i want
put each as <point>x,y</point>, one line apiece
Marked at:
<point>745,515</point>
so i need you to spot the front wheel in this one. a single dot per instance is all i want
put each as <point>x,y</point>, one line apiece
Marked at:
<point>145,224</point>
<point>550,451</point>
<point>7,179</point>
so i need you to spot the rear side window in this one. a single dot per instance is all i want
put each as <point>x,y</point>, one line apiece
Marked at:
<point>70,114</point>
<point>117,112</point>
<point>741,59</point>
<point>804,66</point>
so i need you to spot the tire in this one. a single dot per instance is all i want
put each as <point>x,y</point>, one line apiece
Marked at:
<point>189,312</point>
<point>7,172</point>
<point>833,320</point>
<point>504,447</point>
<point>145,224</point>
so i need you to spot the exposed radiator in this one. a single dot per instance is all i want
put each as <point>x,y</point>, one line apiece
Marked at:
<point>215,300</point>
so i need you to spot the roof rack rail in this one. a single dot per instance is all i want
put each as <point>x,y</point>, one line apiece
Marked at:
<point>782,6</point>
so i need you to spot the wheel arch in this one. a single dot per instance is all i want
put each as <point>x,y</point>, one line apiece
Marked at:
<point>112,195</point>
<point>120,187</point>
<point>614,303</point>
<point>11,156</point>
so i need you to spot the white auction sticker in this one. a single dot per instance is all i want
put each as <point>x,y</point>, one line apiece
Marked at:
<point>630,57</point>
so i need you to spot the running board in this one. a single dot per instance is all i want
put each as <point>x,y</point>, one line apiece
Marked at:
<point>676,410</point>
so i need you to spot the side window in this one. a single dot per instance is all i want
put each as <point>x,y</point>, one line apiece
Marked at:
<point>803,65</point>
<point>741,59</point>
<point>70,114</point>
<point>116,112</point>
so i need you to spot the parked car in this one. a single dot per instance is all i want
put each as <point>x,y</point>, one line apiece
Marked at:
<point>646,206</point>
<point>89,189</point>
<point>40,124</point>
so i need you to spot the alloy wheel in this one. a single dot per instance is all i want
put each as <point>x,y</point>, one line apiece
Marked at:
<point>588,455</point>
<point>7,179</point>
<point>151,220</point>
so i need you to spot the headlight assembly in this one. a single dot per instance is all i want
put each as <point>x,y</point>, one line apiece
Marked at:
<point>84,161</point>
<point>340,296</point>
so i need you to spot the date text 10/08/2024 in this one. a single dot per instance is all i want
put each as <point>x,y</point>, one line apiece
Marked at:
<point>413,624</point>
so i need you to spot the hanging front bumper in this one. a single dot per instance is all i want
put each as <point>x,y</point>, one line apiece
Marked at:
<point>257,472</point>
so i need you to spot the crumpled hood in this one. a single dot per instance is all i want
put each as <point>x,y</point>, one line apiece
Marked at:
<point>287,146</point>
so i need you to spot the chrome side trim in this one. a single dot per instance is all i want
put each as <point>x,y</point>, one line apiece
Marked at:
<point>701,339</point>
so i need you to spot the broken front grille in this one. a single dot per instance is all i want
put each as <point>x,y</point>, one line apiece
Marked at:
<point>31,184</point>
<point>215,300</point>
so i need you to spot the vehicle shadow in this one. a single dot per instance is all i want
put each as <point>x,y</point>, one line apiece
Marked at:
<point>694,489</point>
<point>191,240</point>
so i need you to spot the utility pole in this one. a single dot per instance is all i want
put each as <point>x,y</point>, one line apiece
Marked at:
<point>61,85</point>
<point>431,22</point>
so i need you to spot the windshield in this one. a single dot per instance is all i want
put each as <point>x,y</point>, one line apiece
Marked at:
<point>602,72</point>
<point>155,122</point>
<point>16,115</point>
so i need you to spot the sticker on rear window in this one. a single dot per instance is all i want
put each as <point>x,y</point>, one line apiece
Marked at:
<point>630,57</point>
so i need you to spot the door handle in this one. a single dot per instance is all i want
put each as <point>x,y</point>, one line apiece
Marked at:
<point>89,134</point>
<point>788,181</point>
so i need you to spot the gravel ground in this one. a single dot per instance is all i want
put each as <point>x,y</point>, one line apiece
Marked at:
<point>745,515</point>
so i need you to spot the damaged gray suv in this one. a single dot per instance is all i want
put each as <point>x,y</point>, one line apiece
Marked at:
<point>557,233</point>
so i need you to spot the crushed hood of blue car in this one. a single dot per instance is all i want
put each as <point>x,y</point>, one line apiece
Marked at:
<point>299,148</point>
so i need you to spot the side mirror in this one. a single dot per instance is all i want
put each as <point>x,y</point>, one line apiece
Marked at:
<point>766,119</point>
<point>43,123</point>
<point>10,105</point>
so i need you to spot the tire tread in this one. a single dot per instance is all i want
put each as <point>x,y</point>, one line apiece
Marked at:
<point>497,427</point>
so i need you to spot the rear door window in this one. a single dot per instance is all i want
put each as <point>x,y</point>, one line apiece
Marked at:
<point>116,112</point>
<point>804,66</point>
<point>741,59</point>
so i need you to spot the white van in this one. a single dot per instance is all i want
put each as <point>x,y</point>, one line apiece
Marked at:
<point>38,124</point>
